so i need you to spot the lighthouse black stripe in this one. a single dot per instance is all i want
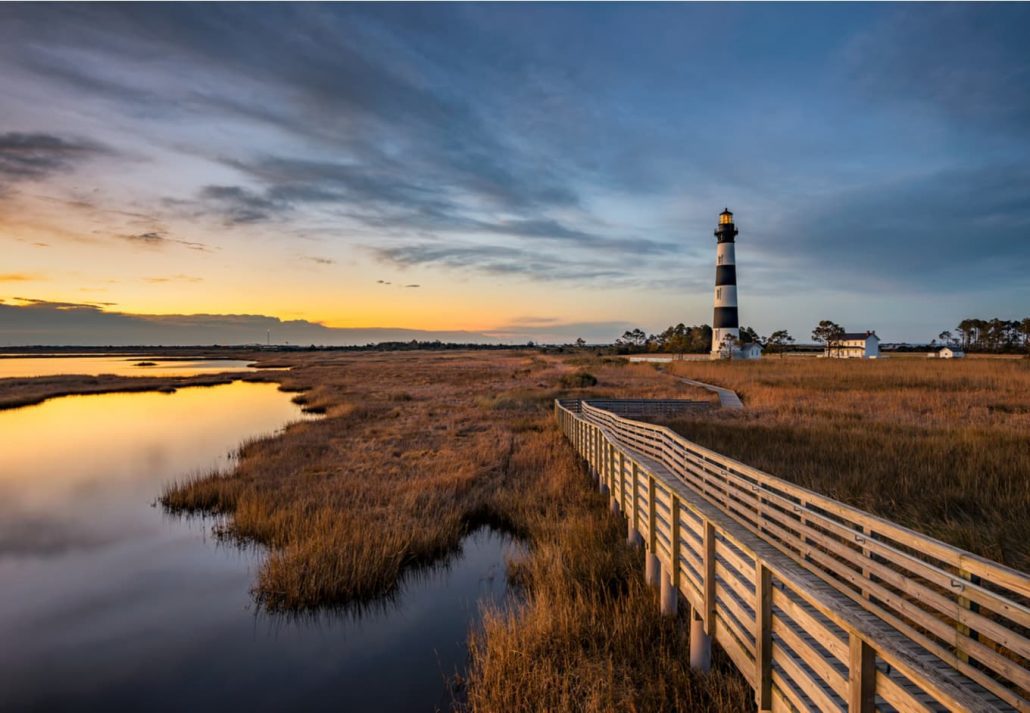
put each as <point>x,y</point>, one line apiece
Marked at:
<point>725,275</point>
<point>725,318</point>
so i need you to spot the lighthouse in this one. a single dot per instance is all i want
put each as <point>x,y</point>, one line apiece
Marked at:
<point>725,324</point>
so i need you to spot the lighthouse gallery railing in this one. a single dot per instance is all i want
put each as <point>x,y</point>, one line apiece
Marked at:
<point>820,605</point>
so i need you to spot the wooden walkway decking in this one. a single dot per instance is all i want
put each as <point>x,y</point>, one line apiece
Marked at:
<point>821,606</point>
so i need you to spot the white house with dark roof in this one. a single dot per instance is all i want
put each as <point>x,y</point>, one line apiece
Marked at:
<point>854,345</point>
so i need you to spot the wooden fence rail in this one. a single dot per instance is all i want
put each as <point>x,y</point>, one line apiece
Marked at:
<point>820,605</point>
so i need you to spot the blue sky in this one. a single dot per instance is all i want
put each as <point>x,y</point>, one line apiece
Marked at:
<point>522,171</point>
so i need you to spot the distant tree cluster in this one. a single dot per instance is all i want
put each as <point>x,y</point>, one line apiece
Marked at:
<point>681,339</point>
<point>989,335</point>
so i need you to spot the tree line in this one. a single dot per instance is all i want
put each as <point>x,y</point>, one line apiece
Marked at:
<point>695,339</point>
<point>989,335</point>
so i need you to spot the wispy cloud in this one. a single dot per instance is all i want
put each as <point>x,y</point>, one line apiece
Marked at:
<point>20,277</point>
<point>30,156</point>
<point>173,278</point>
<point>157,239</point>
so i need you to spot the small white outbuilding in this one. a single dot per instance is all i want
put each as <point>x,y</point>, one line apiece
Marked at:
<point>948,352</point>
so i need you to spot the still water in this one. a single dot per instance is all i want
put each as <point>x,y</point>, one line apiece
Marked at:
<point>22,367</point>
<point>109,604</point>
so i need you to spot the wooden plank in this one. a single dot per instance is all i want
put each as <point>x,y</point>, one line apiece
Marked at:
<point>808,622</point>
<point>708,575</point>
<point>636,496</point>
<point>861,676</point>
<point>674,542</point>
<point>766,503</point>
<point>792,693</point>
<point>898,697</point>
<point>763,637</point>
<point>816,660</point>
<point>803,680</point>
<point>993,572</point>
<point>651,515</point>
<point>727,579</point>
<point>735,649</point>
<point>731,612</point>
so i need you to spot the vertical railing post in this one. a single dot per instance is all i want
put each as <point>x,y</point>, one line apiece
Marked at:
<point>674,540</point>
<point>652,568</point>
<point>763,636</point>
<point>708,562</point>
<point>966,603</point>
<point>861,675</point>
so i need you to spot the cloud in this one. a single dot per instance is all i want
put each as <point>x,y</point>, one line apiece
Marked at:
<point>496,260</point>
<point>956,60</point>
<point>967,227</point>
<point>32,156</point>
<point>173,278</point>
<point>238,205</point>
<point>41,322</point>
<point>319,260</point>
<point>20,277</point>
<point>157,239</point>
<point>412,286</point>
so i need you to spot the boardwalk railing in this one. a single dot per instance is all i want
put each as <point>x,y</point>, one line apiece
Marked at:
<point>820,605</point>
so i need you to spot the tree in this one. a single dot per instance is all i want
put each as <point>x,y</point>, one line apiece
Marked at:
<point>829,334</point>
<point>749,336</point>
<point>580,342</point>
<point>728,343</point>
<point>945,337</point>
<point>778,341</point>
<point>1024,329</point>
<point>633,338</point>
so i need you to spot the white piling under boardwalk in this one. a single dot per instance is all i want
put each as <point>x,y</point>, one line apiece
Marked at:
<point>633,538</point>
<point>652,570</point>
<point>669,595</point>
<point>700,644</point>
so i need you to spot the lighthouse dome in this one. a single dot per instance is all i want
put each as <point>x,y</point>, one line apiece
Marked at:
<point>725,218</point>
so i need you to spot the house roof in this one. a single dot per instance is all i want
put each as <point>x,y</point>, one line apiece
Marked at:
<point>848,336</point>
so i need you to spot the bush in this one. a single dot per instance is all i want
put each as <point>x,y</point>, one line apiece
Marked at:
<point>578,380</point>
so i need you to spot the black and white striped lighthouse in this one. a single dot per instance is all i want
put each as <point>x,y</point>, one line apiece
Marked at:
<point>724,323</point>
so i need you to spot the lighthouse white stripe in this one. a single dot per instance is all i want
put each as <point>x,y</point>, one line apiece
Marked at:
<point>725,254</point>
<point>726,296</point>
<point>719,335</point>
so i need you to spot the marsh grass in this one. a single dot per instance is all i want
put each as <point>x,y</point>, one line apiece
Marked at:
<point>941,447</point>
<point>414,452</point>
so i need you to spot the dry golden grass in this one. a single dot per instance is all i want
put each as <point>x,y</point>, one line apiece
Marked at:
<point>942,447</point>
<point>587,635</point>
<point>414,451</point>
<point>16,393</point>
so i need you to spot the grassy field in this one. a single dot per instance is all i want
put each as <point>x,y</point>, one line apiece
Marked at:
<point>940,446</point>
<point>416,450</point>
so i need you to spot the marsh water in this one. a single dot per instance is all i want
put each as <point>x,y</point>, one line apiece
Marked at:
<point>108,603</point>
<point>14,366</point>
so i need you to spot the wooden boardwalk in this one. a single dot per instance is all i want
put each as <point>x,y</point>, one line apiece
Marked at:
<point>822,607</point>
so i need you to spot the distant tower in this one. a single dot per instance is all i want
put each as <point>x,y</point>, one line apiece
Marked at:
<point>725,322</point>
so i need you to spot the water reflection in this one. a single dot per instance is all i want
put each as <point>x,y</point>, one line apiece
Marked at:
<point>23,367</point>
<point>107,603</point>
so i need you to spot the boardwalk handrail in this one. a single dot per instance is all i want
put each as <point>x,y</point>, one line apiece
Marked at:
<point>926,597</point>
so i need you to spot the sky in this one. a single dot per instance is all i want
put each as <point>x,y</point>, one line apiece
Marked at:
<point>226,172</point>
